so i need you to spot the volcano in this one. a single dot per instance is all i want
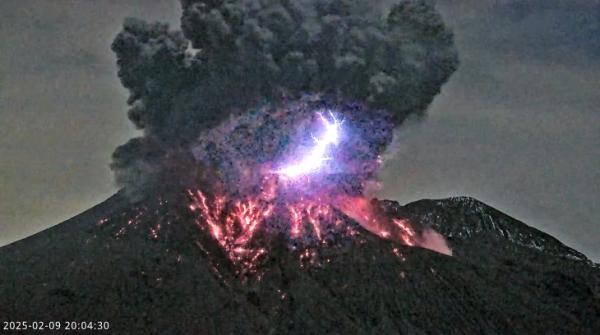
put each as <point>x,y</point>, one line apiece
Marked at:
<point>147,269</point>
<point>243,206</point>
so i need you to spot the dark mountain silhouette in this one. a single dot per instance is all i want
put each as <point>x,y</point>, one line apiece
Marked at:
<point>504,278</point>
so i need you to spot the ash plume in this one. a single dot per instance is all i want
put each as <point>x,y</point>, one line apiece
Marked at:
<point>234,60</point>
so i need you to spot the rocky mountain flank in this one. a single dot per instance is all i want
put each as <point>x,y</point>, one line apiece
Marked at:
<point>505,277</point>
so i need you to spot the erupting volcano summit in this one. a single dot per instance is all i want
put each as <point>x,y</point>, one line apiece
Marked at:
<point>273,115</point>
<point>296,171</point>
<point>245,205</point>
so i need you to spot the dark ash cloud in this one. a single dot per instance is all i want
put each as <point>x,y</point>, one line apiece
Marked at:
<point>232,56</point>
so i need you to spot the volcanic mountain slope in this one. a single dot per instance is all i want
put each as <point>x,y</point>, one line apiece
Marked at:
<point>504,278</point>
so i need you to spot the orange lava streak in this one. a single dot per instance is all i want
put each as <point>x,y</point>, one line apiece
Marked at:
<point>249,215</point>
<point>296,218</point>
<point>234,224</point>
<point>211,216</point>
<point>362,211</point>
<point>233,229</point>
<point>407,233</point>
<point>314,212</point>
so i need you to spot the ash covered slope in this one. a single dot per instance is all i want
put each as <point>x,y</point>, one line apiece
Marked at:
<point>505,277</point>
<point>467,222</point>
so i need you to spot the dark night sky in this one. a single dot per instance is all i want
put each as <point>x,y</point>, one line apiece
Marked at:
<point>517,126</point>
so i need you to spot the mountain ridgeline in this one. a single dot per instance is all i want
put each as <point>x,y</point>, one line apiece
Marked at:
<point>504,277</point>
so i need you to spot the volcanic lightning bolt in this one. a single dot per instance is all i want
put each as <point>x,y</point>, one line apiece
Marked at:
<point>306,210</point>
<point>313,197</point>
<point>315,158</point>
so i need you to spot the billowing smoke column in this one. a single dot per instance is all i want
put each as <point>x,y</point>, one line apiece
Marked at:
<point>273,106</point>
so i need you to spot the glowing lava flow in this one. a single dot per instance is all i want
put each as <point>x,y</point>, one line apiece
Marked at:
<point>314,159</point>
<point>317,214</point>
<point>362,211</point>
<point>233,228</point>
<point>234,224</point>
<point>309,217</point>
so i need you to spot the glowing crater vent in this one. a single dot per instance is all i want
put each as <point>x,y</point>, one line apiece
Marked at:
<point>314,159</point>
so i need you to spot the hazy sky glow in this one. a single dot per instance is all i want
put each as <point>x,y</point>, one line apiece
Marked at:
<point>517,126</point>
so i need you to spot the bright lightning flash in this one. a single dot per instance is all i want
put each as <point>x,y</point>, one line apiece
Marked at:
<point>316,156</point>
